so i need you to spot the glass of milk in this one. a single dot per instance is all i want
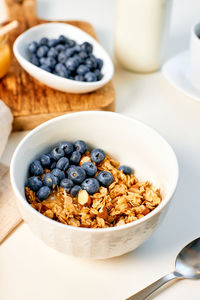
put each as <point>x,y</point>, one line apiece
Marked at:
<point>141,29</point>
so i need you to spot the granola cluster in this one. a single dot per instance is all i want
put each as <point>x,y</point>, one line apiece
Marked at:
<point>124,201</point>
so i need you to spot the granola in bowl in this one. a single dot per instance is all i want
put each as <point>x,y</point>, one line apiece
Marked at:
<point>118,200</point>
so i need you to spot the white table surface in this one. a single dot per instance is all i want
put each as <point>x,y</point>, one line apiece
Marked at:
<point>30,270</point>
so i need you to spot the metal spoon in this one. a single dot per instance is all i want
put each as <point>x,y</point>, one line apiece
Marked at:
<point>187,267</point>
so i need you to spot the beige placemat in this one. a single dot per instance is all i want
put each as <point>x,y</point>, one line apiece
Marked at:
<point>10,217</point>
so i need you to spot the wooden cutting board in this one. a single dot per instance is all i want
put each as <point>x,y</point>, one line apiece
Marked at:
<point>30,101</point>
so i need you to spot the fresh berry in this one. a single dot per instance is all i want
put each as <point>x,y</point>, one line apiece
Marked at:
<point>44,41</point>
<point>89,168</point>
<point>97,155</point>
<point>53,165</point>
<point>52,42</point>
<point>91,63</point>
<point>98,74</point>
<point>72,63</point>
<point>58,173</point>
<point>105,178</point>
<point>62,39</point>
<point>57,153</point>
<point>87,47</point>
<point>36,168</point>
<point>63,163</point>
<point>70,51</point>
<point>42,51</point>
<point>62,57</point>
<point>50,180</point>
<point>34,183</point>
<point>83,55</point>
<point>76,174</point>
<point>48,61</point>
<point>75,157</point>
<point>35,60</point>
<point>80,146</point>
<point>71,43</point>
<point>45,68</point>
<point>90,77</point>
<point>79,78</point>
<point>99,62</point>
<point>60,48</point>
<point>67,147</point>
<point>43,193</point>
<point>67,184</point>
<point>82,70</point>
<point>91,185</point>
<point>61,70</point>
<point>33,46</point>
<point>45,160</point>
<point>53,52</point>
<point>125,169</point>
<point>74,191</point>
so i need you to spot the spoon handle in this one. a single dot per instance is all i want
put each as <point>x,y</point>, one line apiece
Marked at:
<point>143,294</point>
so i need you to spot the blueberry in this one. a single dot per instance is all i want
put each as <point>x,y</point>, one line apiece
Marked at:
<point>74,191</point>
<point>83,55</point>
<point>35,60</point>
<point>43,193</point>
<point>67,147</point>
<point>44,41</point>
<point>78,48</point>
<point>62,57</point>
<point>90,77</point>
<point>98,74</point>
<point>58,173</point>
<point>45,160</point>
<point>75,157</point>
<point>62,163</point>
<point>76,174</point>
<point>57,153</point>
<point>79,78</point>
<point>71,43</point>
<point>53,165</point>
<point>36,168</point>
<point>62,39</point>
<point>48,61</point>
<point>33,46</point>
<point>97,155</point>
<point>99,62</point>
<point>70,51</point>
<point>45,68</point>
<point>91,63</point>
<point>34,183</point>
<point>89,168</point>
<point>91,185</point>
<point>125,169</point>
<point>105,178</point>
<point>61,70</point>
<point>67,184</point>
<point>50,180</point>
<point>77,58</point>
<point>42,51</point>
<point>53,52</point>
<point>60,48</point>
<point>82,69</point>
<point>52,42</point>
<point>72,63</point>
<point>87,47</point>
<point>80,146</point>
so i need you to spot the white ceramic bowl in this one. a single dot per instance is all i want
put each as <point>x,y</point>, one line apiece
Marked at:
<point>53,30</point>
<point>128,141</point>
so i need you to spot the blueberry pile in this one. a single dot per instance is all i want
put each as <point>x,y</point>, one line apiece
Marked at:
<point>65,58</point>
<point>65,171</point>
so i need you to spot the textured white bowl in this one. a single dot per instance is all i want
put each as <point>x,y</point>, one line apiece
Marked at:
<point>127,140</point>
<point>53,30</point>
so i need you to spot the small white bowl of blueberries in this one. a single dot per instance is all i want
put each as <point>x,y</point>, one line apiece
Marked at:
<point>63,57</point>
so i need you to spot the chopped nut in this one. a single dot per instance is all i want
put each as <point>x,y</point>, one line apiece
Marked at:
<point>103,213</point>
<point>84,198</point>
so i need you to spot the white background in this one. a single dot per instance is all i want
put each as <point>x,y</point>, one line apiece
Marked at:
<point>30,270</point>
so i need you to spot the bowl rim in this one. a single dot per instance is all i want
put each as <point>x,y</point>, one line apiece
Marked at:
<point>23,200</point>
<point>105,79</point>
